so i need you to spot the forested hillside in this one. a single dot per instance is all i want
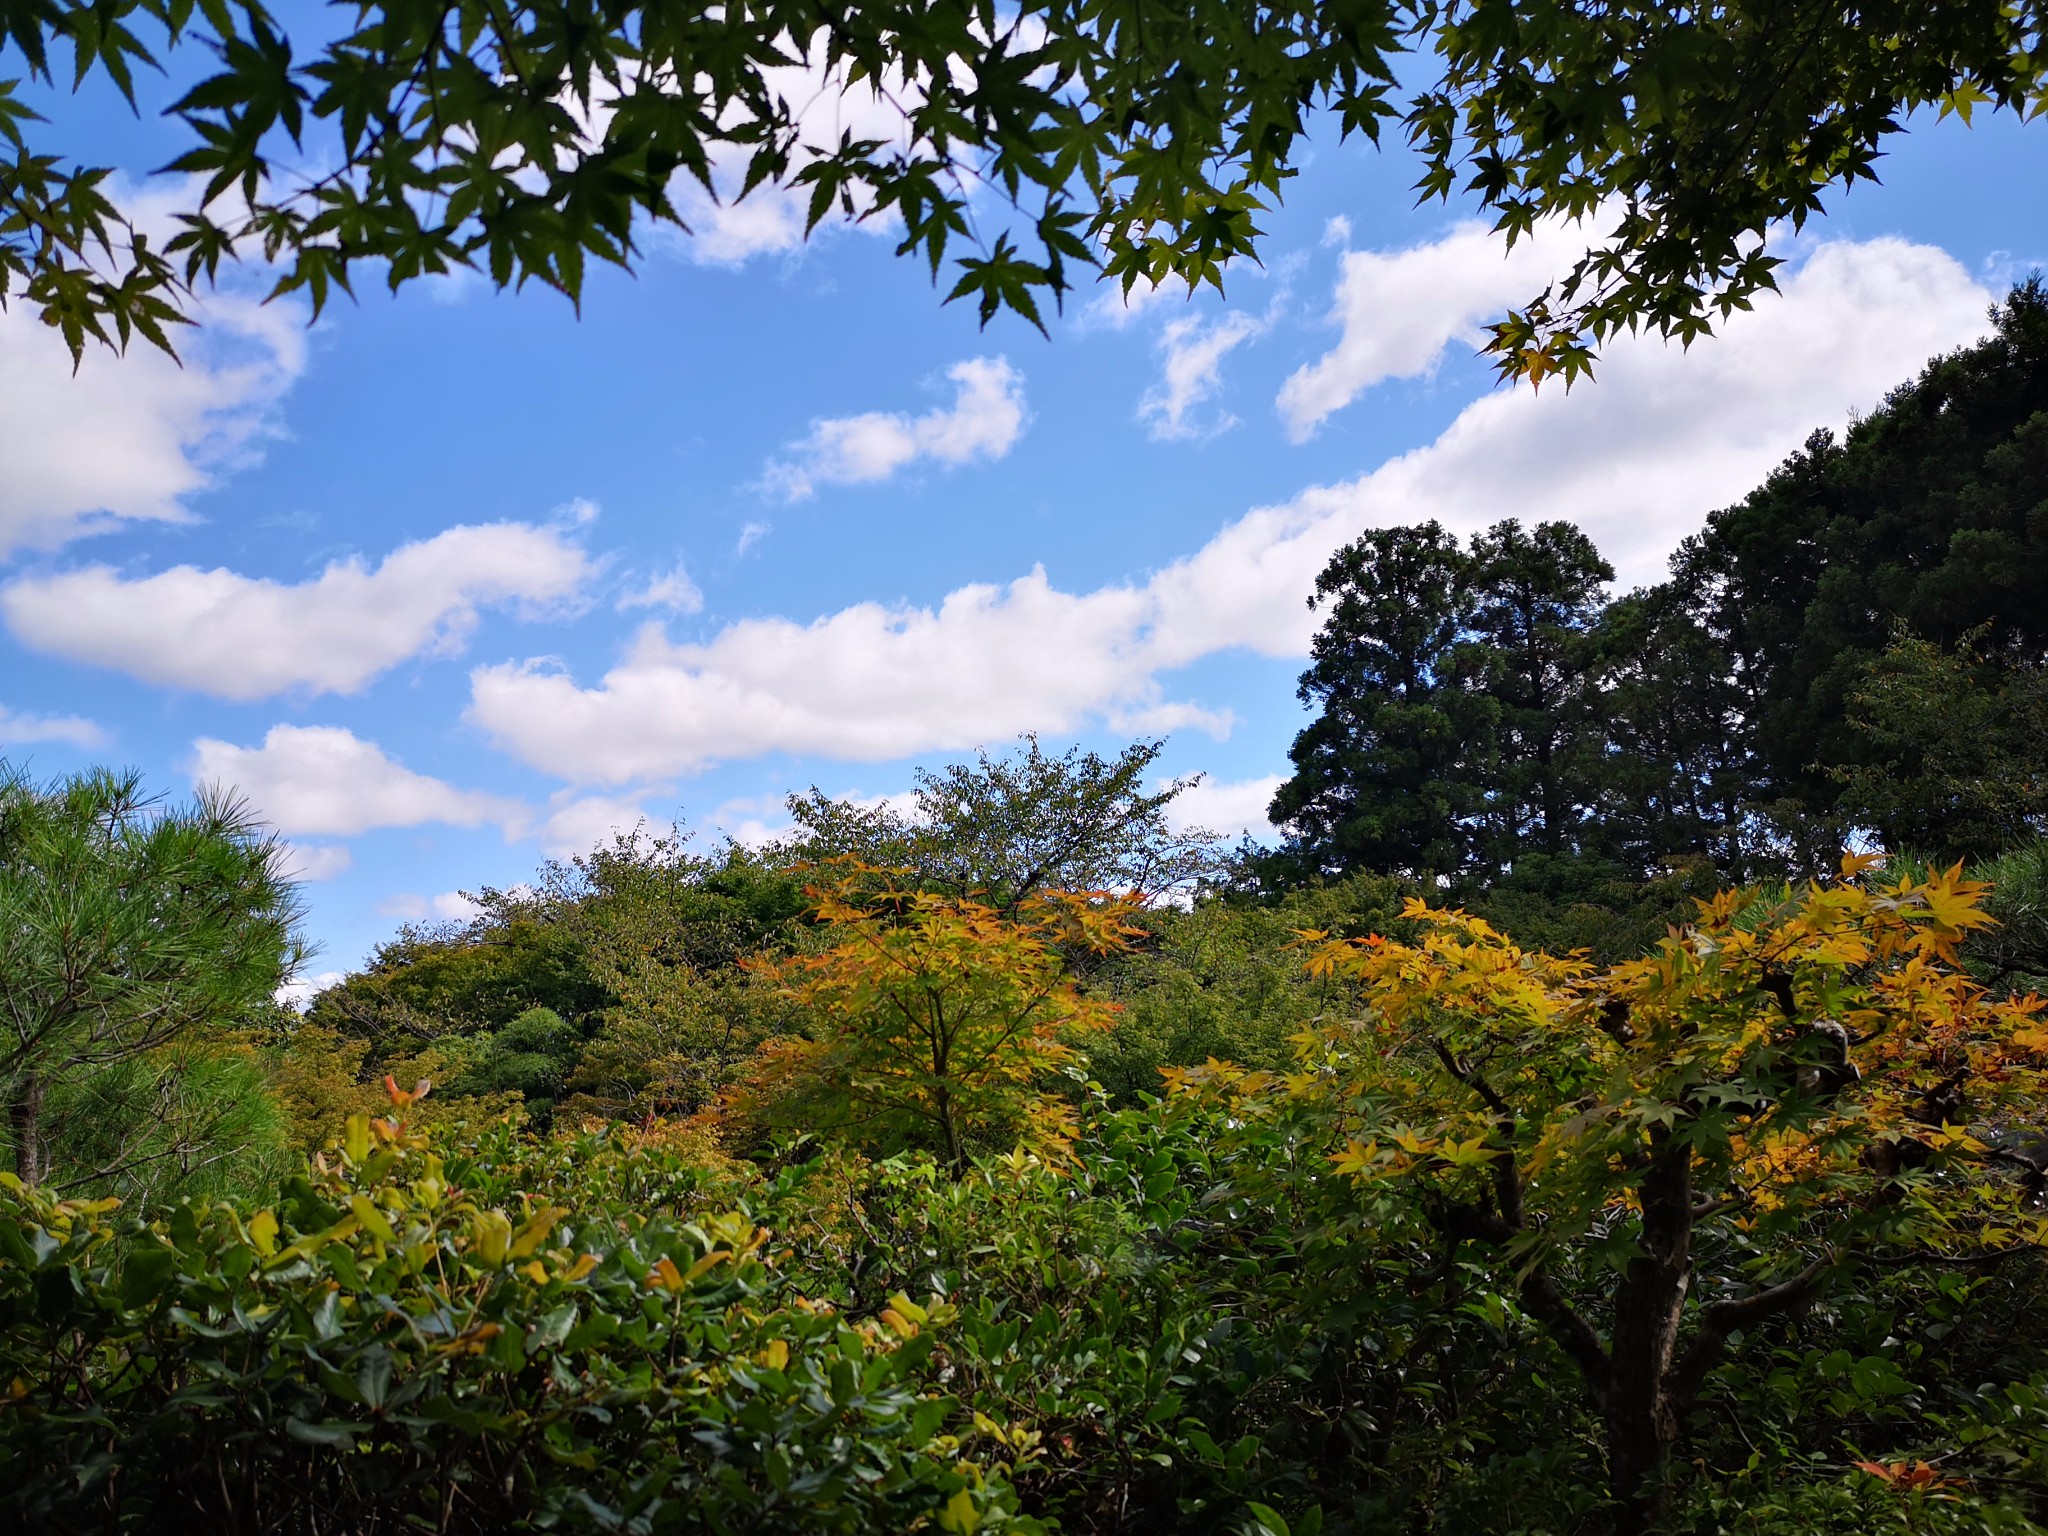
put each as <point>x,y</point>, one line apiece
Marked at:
<point>1614,1104</point>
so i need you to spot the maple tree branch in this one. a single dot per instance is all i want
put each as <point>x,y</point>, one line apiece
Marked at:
<point>1479,1085</point>
<point>1721,1318</point>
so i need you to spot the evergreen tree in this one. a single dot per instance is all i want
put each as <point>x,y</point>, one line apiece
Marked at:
<point>1539,597</point>
<point>124,928</point>
<point>1676,777</point>
<point>1926,514</point>
<point>1383,776</point>
<point>1957,744</point>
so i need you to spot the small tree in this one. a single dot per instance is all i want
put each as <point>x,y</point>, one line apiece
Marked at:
<point>937,1018</point>
<point>1005,828</point>
<point>1655,1156</point>
<point>122,927</point>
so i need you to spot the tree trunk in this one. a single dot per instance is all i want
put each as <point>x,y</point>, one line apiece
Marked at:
<point>1643,1417</point>
<point>1639,1446</point>
<point>949,1130</point>
<point>26,1117</point>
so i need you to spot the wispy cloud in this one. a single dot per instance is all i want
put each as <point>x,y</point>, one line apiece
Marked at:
<point>984,421</point>
<point>1194,347</point>
<point>671,589</point>
<point>17,727</point>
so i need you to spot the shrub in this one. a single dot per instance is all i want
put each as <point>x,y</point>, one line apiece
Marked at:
<point>383,1351</point>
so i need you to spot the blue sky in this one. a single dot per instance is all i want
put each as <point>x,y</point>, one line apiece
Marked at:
<point>453,582</point>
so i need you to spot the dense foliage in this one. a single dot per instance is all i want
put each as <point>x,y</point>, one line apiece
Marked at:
<point>1141,139</point>
<point>382,1350</point>
<point>1711,1133</point>
<point>1005,828</point>
<point>936,1020</point>
<point>1226,1310</point>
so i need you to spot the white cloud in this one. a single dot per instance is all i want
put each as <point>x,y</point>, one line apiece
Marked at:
<point>983,422</point>
<point>751,535</point>
<point>242,637</point>
<point>672,590</point>
<point>297,993</point>
<point>1637,459</point>
<point>449,906</point>
<point>576,824</point>
<point>868,683</point>
<point>127,438</point>
<point>325,781</point>
<point>314,862</point>
<point>1228,809</point>
<point>72,730</point>
<point>1400,309</point>
<point>752,821</point>
<point>1195,347</point>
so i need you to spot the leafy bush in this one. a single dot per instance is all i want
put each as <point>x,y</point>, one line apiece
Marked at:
<point>383,1351</point>
<point>529,1057</point>
<point>1219,979</point>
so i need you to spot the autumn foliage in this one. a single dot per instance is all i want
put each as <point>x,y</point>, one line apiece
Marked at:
<point>1659,1154</point>
<point>936,1020</point>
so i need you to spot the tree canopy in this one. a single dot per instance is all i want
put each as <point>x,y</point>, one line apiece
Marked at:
<point>1006,827</point>
<point>1712,1134</point>
<point>1027,146</point>
<point>1457,724</point>
<point>1926,514</point>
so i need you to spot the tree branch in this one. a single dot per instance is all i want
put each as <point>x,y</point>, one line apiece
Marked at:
<point>1721,1318</point>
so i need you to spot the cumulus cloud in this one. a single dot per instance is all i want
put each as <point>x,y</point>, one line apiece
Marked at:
<point>1399,310</point>
<point>325,781</point>
<point>17,728</point>
<point>752,821</point>
<point>126,438</point>
<point>983,422</point>
<point>300,991</point>
<point>1637,459</point>
<point>576,824</point>
<point>1194,347</point>
<point>869,683</point>
<point>243,637</point>
<point>1226,808</point>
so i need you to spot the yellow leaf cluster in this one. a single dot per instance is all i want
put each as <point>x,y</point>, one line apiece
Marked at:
<point>1813,1049</point>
